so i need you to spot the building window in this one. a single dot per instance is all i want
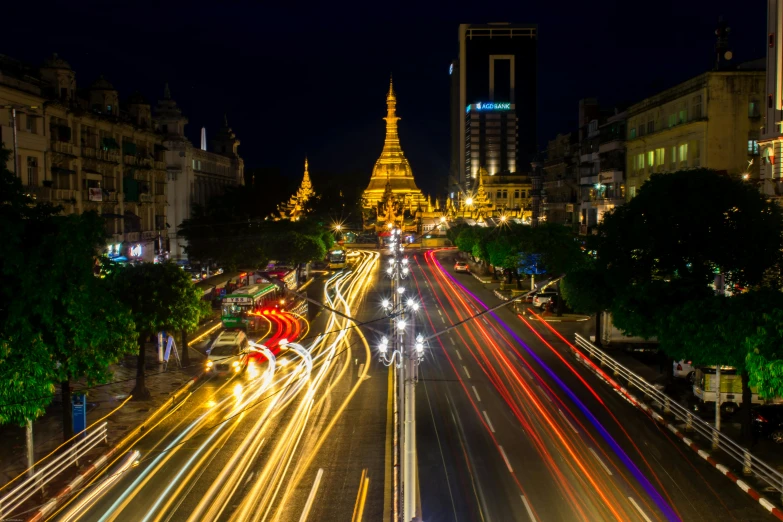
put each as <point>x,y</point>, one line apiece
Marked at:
<point>660,158</point>
<point>696,108</point>
<point>632,191</point>
<point>505,194</point>
<point>641,129</point>
<point>650,127</point>
<point>683,116</point>
<point>683,153</point>
<point>632,133</point>
<point>32,170</point>
<point>753,109</point>
<point>108,109</point>
<point>640,162</point>
<point>516,194</point>
<point>160,222</point>
<point>499,194</point>
<point>673,159</point>
<point>650,159</point>
<point>672,120</point>
<point>695,154</point>
<point>30,123</point>
<point>753,147</point>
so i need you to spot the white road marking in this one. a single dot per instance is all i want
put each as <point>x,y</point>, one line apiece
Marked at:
<point>568,422</point>
<point>439,312</point>
<point>466,371</point>
<point>527,507</point>
<point>485,321</point>
<point>442,319</point>
<point>361,367</point>
<point>503,452</point>
<point>489,422</point>
<point>642,513</point>
<point>311,497</point>
<point>451,339</point>
<point>458,355</point>
<point>477,395</point>
<point>601,462</point>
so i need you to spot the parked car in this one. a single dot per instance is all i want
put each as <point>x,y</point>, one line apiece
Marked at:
<point>767,421</point>
<point>542,298</point>
<point>228,354</point>
<point>684,370</point>
<point>461,266</point>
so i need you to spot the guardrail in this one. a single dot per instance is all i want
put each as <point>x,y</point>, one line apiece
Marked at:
<point>751,465</point>
<point>44,474</point>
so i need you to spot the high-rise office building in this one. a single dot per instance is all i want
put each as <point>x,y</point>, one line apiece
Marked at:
<point>493,89</point>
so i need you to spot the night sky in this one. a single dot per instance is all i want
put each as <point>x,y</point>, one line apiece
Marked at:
<point>302,80</point>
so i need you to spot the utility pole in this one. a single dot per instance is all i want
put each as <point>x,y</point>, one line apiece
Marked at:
<point>406,356</point>
<point>720,289</point>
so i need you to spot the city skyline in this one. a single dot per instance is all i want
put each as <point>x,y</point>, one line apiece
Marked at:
<point>319,72</point>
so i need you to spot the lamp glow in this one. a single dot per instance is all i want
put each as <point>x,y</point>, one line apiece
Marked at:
<point>401,290</point>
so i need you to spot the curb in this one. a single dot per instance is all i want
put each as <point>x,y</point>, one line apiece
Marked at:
<point>623,391</point>
<point>84,475</point>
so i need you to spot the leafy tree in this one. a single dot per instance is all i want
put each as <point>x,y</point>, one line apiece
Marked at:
<point>664,246</point>
<point>466,239</point>
<point>160,297</point>
<point>588,290</point>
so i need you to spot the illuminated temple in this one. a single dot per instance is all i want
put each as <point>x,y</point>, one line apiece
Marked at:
<point>392,195</point>
<point>298,204</point>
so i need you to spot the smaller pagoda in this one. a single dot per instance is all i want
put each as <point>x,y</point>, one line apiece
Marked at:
<point>297,205</point>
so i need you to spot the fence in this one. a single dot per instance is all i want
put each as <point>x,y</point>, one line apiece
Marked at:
<point>45,473</point>
<point>751,465</point>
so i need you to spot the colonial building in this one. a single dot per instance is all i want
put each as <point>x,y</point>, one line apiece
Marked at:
<point>711,121</point>
<point>84,150</point>
<point>392,196</point>
<point>771,141</point>
<point>297,205</point>
<point>194,175</point>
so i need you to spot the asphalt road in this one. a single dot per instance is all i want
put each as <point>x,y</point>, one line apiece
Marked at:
<point>250,446</point>
<point>512,427</point>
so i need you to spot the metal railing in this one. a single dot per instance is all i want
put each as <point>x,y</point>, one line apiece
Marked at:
<point>751,465</point>
<point>45,473</point>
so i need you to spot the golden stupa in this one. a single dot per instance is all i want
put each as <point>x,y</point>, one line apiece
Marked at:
<point>392,167</point>
<point>297,205</point>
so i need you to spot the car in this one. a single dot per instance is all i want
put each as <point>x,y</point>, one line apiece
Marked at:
<point>684,370</point>
<point>228,353</point>
<point>542,298</point>
<point>767,421</point>
<point>461,266</point>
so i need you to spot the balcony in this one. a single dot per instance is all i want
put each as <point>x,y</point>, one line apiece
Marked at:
<point>610,176</point>
<point>588,180</point>
<point>64,194</point>
<point>132,236</point>
<point>62,147</point>
<point>160,199</point>
<point>149,234</point>
<point>100,154</point>
<point>146,198</point>
<point>159,165</point>
<point>39,193</point>
<point>127,159</point>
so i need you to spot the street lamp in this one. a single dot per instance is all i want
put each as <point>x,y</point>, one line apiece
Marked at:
<point>469,201</point>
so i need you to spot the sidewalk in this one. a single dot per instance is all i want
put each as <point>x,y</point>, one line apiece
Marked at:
<point>101,400</point>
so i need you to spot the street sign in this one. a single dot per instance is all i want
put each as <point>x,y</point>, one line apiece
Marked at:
<point>79,413</point>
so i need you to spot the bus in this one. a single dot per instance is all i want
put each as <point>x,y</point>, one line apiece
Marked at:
<point>336,259</point>
<point>240,308</point>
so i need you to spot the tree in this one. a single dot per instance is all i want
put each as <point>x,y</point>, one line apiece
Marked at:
<point>466,239</point>
<point>588,290</point>
<point>160,297</point>
<point>664,246</point>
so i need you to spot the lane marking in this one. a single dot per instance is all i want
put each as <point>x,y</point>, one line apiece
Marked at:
<point>311,497</point>
<point>601,462</point>
<point>466,371</point>
<point>451,339</point>
<point>477,395</point>
<point>502,451</point>
<point>361,367</point>
<point>642,513</point>
<point>489,422</point>
<point>529,510</point>
<point>442,320</point>
<point>439,312</point>
<point>545,394</point>
<point>458,355</point>
<point>568,422</point>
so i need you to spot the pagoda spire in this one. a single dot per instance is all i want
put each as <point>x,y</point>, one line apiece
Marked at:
<point>391,146</point>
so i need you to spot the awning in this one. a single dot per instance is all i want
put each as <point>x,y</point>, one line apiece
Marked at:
<point>60,170</point>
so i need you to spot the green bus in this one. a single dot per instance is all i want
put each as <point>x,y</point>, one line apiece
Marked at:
<point>242,308</point>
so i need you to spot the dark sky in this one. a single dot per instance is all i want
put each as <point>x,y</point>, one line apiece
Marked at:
<point>299,80</point>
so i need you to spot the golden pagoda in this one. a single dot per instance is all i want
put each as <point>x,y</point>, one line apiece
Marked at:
<point>392,167</point>
<point>296,206</point>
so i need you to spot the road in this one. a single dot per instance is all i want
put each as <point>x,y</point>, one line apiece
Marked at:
<point>511,427</point>
<point>291,439</point>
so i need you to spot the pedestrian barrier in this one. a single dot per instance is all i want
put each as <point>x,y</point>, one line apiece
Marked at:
<point>751,465</point>
<point>65,458</point>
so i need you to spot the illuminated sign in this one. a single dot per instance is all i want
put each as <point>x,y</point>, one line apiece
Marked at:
<point>451,69</point>
<point>135,251</point>
<point>490,106</point>
<point>238,300</point>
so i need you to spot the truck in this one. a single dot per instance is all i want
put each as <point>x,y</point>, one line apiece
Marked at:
<point>704,393</point>
<point>611,335</point>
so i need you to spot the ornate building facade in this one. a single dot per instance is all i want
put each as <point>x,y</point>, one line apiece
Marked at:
<point>297,205</point>
<point>392,196</point>
<point>194,175</point>
<point>86,151</point>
